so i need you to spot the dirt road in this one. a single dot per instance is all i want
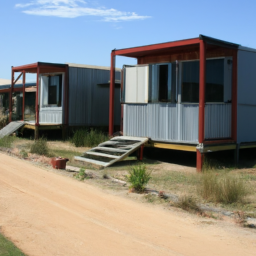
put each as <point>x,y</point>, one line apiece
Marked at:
<point>48,214</point>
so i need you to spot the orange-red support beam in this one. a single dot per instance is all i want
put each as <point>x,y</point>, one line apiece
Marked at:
<point>10,97</point>
<point>201,101</point>
<point>199,161</point>
<point>140,153</point>
<point>202,91</point>
<point>23,90</point>
<point>112,93</point>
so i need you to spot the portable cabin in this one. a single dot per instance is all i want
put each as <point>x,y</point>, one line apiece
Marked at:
<point>65,95</point>
<point>194,95</point>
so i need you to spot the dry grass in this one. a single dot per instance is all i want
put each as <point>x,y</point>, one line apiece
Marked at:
<point>188,203</point>
<point>223,188</point>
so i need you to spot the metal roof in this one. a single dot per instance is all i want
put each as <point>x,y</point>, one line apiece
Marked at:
<point>89,66</point>
<point>155,49</point>
<point>211,40</point>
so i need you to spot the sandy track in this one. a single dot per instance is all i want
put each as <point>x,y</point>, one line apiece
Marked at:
<point>48,214</point>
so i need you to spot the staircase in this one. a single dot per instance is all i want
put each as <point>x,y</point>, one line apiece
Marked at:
<point>11,128</point>
<point>112,151</point>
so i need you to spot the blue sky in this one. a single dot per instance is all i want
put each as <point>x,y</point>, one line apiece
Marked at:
<point>85,32</point>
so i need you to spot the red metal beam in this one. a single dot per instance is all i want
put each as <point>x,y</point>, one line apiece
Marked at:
<point>23,90</point>
<point>18,78</point>
<point>44,67</point>
<point>234,96</point>
<point>10,97</point>
<point>199,161</point>
<point>202,91</point>
<point>155,47</point>
<point>20,89</point>
<point>5,90</point>
<point>112,93</point>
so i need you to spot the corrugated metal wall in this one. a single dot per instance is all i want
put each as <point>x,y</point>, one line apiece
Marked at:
<point>162,122</point>
<point>89,102</point>
<point>50,115</point>
<point>176,122</point>
<point>218,121</point>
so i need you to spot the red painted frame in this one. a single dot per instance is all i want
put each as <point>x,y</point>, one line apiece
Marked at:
<point>38,68</point>
<point>137,52</point>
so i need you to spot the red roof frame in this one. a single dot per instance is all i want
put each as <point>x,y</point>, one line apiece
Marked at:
<point>137,52</point>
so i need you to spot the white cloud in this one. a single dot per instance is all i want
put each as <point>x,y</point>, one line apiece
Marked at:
<point>76,8</point>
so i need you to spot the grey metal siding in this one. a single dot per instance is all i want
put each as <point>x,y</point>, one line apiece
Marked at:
<point>162,122</point>
<point>218,120</point>
<point>89,102</point>
<point>246,100</point>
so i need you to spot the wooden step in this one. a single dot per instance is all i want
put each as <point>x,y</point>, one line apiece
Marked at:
<point>87,160</point>
<point>115,150</point>
<point>100,154</point>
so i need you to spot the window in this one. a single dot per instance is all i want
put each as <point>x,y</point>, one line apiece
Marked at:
<point>190,82</point>
<point>214,84</point>
<point>214,87</point>
<point>55,90</point>
<point>162,85</point>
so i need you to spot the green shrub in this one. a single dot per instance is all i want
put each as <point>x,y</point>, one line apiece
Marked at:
<point>139,177</point>
<point>6,142</point>
<point>40,147</point>
<point>189,204</point>
<point>88,138</point>
<point>222,188</point>
<point>82,175</point>
<point>23,153</point>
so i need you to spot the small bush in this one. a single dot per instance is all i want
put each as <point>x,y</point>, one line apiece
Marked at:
<point>23,153</point>
<point>88,138</point>
<point>40,147</point>
<point>223,188</point>
<point>6,142</point>
<point>82,175</point>
<point>189,204</point>
<point>139,177</point>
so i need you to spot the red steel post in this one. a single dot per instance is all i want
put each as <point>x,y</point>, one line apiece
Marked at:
<point>23,90</point>
<point>112,93</point>
<point>202,92</point>
<point>199,161</point>
<point>10,97</point>
<point>234,96</point>
<point>37,95</point>
<point>201,102</point>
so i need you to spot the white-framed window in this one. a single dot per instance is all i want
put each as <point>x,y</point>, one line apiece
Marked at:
<point>51,90</point>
